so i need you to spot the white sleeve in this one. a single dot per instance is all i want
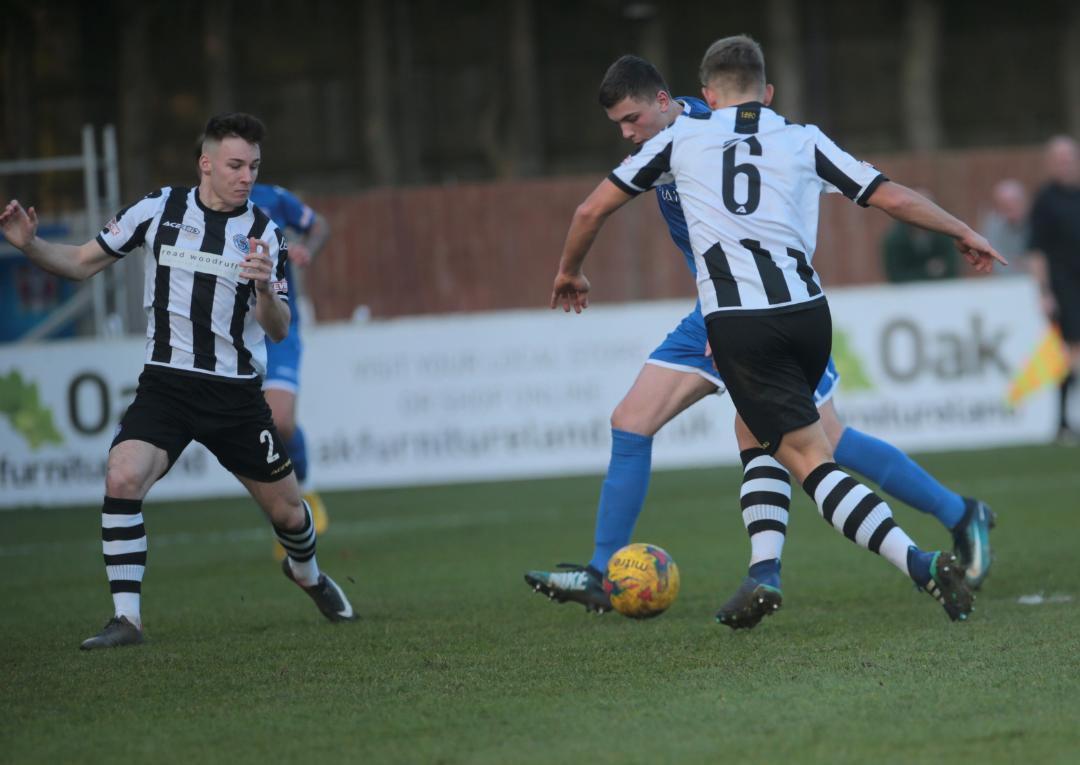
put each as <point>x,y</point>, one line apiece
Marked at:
<point>127,229</point>
<point>841,172</point>
<point>648,168</point>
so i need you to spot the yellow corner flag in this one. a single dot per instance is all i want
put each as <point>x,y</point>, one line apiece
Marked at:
<point>1047,366</point>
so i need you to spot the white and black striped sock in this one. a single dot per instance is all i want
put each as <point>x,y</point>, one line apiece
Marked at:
<point>766,498</point>
<point>123,542</point>
<point>858,513</point>
<point>300,547</point>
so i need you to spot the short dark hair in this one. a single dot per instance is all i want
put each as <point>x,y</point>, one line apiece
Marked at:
<point>232,124</point>
<point>737,59</point>
<point>630,76</point>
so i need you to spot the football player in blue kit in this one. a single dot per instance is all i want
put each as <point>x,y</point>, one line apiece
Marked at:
<point>281,386</point>
<point>680,372</point>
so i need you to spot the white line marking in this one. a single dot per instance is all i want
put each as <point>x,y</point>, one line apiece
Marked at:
<point>382,527</point>
<point>1039,599</point>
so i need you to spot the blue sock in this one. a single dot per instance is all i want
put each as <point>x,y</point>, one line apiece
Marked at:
<point>622,495</point>
<point>766,572</point>
<point>918,563</point>
<point>297,449</point>
<point>899,475</point>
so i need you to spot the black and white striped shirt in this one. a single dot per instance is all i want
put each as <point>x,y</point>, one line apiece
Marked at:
<point>200,316</point>
<point>750,185</point>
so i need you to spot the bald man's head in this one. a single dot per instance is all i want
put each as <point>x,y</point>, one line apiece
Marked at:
<point>1062,160</point>
<point>1010,200</point>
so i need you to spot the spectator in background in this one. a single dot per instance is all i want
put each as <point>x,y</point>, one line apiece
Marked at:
<point>914,254</point>
<point>1055,257</point>
<point>1006,225</point>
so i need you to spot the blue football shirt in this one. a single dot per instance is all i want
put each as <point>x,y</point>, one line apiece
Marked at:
<point>287,211</point>
<point>668,196</point>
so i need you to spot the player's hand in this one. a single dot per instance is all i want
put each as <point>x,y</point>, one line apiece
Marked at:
<point>299,254</point>
<point>257,265</point>
<point>978,252</point>
<point>18,225</point>
<point>570,291</point>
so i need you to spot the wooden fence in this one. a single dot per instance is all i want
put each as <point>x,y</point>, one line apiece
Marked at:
<point>474,247</point>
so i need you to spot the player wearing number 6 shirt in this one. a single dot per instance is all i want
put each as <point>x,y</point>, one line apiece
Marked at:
<point>749,183</point>
<point>680,372</point>
<point>215,285</point>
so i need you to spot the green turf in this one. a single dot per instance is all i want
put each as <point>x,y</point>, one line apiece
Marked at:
<point>456,662</point>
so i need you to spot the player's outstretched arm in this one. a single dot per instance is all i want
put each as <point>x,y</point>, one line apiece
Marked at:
<point>271,312</point>
<point>911,207</point>
<point>571,288</point>
<point>20,228</point>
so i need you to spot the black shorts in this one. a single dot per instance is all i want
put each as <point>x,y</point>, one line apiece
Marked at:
<point>231,419</point>
<point>771,362</point>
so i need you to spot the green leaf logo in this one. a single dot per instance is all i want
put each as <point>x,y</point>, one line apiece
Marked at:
<point>848,364</point>
<point>20,402</point>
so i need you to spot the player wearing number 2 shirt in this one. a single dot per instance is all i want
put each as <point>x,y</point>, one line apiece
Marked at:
<point>215,285</point>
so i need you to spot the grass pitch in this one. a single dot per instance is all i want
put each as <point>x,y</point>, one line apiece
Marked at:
<point>456,662</point>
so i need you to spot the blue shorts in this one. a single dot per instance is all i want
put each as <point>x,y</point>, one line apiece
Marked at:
<point>283,363</point>
<point>684,351</point>
<point>827,385</point>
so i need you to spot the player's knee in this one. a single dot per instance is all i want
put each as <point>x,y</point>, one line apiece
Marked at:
<point>629,419</point>
<point>621,417</point>
<point>125,481</point>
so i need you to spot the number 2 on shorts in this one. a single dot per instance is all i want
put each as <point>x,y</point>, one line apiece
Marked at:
<point>267,438</point>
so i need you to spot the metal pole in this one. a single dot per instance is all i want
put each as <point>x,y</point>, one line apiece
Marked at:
<point>112,167</point>
<point>93,218</point>
<point>112,204</point>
